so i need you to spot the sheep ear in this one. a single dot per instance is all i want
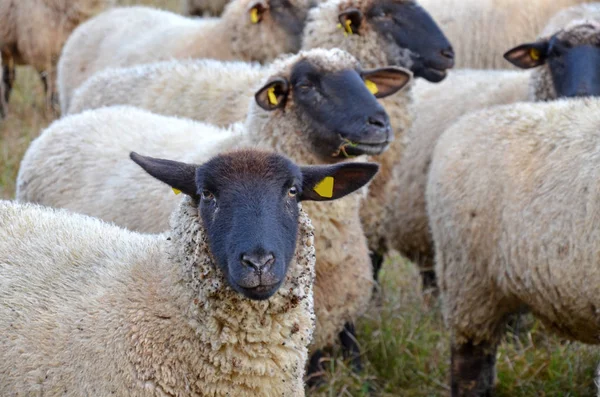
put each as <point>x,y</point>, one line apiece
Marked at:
<point>273,94</point>
<point>350,20</point>
<point>330,182</point>
<point>383,82</point>
<point>257,11</point>
<point>529,55</point>
<point>180,176</point>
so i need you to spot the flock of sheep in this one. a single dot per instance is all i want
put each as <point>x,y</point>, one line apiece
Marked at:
<point>198,137</point>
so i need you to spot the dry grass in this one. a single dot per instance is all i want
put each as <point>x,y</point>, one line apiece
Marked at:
<point>405,346</point>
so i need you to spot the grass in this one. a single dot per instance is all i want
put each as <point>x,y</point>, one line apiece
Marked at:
<point>406,351</point>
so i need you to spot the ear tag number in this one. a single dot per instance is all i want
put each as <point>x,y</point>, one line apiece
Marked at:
<point>347,27</point>
<point>254,15</point>
<point>272,97</point>
<point>176,191</point>
<point>325,187</point>
<point>534,54</point>
<point>371,87</point>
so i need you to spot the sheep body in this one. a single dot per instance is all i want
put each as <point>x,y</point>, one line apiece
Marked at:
<point>404,217</point>
<point>135,35</point>
<point>202,8</point>
<point>482,30</point>
<point>206,90</point>
<point>128,314</point>
<point>512,201</point>
<point>32,32</point>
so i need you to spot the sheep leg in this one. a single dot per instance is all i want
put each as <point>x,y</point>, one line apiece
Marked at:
<point>376,262</point>
<point>49,80</point>
<point>473,369</point>
<point>8,75</point>
<point>315,370</point>
<point>350,347</point>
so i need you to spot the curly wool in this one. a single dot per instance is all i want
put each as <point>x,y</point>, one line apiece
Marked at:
<point>157,307</point>
<point>512,202</point>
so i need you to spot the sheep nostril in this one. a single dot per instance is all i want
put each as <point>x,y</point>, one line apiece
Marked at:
<point>448,53</point>
<point>377,121</point>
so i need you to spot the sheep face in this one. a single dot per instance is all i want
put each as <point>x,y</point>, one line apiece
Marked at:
<point>408,26</point>
<point>248,203</point>
<point>569,62</point>
<point>337,110</point>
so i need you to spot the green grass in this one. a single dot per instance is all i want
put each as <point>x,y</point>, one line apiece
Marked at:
<point>405,345</point>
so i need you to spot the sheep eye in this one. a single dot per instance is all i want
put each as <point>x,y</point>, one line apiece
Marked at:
<point>207,195</point>
<point>293,191</point>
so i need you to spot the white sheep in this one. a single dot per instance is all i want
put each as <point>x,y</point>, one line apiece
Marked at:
<point>481,30</point>
<point>464,91</point>
<point>221,305</point>
<point>32,32</point>
<point>283,118</point>
<point>202,8</point>
<point>512,203</point>
<point>250,30</point>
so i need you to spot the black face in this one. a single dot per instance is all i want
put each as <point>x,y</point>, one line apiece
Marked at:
<point>342,115</point>
<point>575,70</point>
<point>248,202</point>
<point>291,18</point>
<point>252,242</point>
<point>409,26</point>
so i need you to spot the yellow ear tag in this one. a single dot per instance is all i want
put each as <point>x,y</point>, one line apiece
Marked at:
<point>534,53</point>
<point>371,87</point>
<point>325,187</point>
<point>347,28</point>
<point>176,191</point>
<point>254,15</point>
<point>272,97</point>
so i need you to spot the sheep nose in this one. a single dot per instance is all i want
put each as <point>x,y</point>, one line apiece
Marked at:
<point>258,262</point>
<point>448,53</point>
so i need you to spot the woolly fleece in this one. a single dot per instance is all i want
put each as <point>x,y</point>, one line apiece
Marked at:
<point>113,312</point>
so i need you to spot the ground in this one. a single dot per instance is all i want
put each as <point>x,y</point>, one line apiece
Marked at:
<point>405,345</point>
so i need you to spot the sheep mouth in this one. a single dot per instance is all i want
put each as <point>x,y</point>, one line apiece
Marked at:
<point>433,74</point>
<point>349,148</point>
<point>260,292</point>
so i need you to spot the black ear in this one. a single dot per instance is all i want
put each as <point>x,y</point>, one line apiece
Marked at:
<point>386,81</point>
<point>257,11</point>
<point>527,56</point>
<point>273,95</point>
<point>350,20</point>
<point>179,176</point>
<point>330,182</point>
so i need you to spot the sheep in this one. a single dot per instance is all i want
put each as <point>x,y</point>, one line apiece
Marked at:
<point>222,305</point>
<point>3,98</point>
<point>481,30</point>
<point>512,207</point>
<point>32,32</point>
<point>415,42</point>
<point>464,91</point>
<point>249,30</point>
<point>283,118</point>
<point>202,8</point>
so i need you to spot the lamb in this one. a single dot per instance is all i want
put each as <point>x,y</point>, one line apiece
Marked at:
<point>282,118</point>
<point>407,227</point>
<point>202,8</point>
<point>250,30</point>
<point>32,32</point>
<point>511,198</point>
<point>221,305</point>
<point>481,30</point>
